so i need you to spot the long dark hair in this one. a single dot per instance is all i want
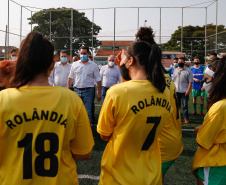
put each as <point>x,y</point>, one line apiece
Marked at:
<point>150,57</point>
<point>146,34</point>
<point>34,58</point>
<point>218,90</point>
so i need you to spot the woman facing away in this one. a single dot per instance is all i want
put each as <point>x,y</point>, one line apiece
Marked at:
<point>170,138</point>
<point>209,163</point>
<point>43,129</point>
<point>132,117</point>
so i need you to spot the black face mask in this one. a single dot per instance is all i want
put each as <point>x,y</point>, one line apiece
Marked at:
<point>124,72</point>
<point>2,88</point>
<point>196,63</point>
<point>181,64</point>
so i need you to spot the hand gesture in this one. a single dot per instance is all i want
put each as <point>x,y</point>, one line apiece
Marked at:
<point>118,59</point>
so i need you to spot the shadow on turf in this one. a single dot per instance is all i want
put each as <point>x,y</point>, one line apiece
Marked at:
<point>99,143</point>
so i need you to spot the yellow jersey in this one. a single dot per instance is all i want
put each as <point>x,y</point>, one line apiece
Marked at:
<point>40,129</point>
<point>211,138</point>
<point>170,138</point>
<point>133,114</point>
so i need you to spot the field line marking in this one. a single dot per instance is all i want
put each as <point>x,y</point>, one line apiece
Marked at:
<point>98,105</point>
<point>93,177</point>
<point>188,130</point>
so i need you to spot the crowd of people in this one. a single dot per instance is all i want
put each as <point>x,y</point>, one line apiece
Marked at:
<point>194,78</point>
<point>47,109</point>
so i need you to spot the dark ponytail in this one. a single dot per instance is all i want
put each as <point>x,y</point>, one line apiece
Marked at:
<point>34,58</point>
<point>154,69</point>
<point>150,57</point>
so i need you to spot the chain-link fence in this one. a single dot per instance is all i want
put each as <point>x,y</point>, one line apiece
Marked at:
<point>216,43</point>
<point>117,24</point>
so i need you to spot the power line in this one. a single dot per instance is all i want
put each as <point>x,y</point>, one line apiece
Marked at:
<point>20,5</point>
<point>190,6</point>
<point>200,3</point>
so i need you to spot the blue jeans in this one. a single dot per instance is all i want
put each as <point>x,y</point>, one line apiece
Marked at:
<point>184,102</point>
<point>103,92</point>
<point>87,97</point>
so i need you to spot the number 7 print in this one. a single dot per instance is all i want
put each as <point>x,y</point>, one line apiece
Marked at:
<point>151,136</point>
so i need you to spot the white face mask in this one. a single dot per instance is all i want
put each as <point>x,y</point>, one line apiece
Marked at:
<point>207,86</point>
<point>111,64</point>
<point>13,58</point>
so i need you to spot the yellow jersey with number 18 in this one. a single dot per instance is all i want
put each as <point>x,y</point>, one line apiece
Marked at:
<point>40,129</point>
<point>133,114</point>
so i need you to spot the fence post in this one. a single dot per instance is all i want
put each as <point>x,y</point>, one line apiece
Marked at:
<point>31,20</point>
<point>182,31</point>
<point>138,18</point>
<point>160,27</point>
<point>92,32</point>
<point>21,23</point>
<point>114,32</point>
<point>8,33</point>
<point>216,25</point>
<point>71,36</point>
<point>205,34</point>
<point>50,20</point>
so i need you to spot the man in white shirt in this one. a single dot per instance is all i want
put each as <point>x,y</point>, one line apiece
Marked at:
<point>110,75</point>
<point>14,53</point>
<point>85,74</point>
<point>60,72</point>
<point>183,79</point>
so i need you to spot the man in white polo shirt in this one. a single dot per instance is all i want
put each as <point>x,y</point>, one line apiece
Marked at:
<point>85,74</point>
<point>60,72</point>
<point>110,75</point>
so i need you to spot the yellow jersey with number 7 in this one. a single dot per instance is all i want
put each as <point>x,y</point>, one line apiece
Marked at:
<point>133,114</point>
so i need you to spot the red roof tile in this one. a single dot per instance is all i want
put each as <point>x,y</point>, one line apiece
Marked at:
<point>104,52</point>
<point>117,43</point>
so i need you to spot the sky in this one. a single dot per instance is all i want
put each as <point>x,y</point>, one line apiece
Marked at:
<point>126,22</point>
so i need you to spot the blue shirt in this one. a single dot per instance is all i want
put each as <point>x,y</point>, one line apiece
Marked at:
<point>197,73</point>
<point>171,69</point>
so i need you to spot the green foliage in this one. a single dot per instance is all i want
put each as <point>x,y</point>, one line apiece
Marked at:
<point>194,40</point>
<point>61,28</point>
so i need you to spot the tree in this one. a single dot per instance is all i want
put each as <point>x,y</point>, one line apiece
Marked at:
<point>194,40</point>
<point>61,28</point>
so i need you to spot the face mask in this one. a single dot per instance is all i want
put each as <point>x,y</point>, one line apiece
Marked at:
<point>83,57</point>
<point>207,86</point>
<point>196,63</point>
<point>2,88</point>
<point>63,60</point>
<point>111,63</point>
<point>175,64</point>
<point>181,64</point>
<point>124,72</point>
<point>13,58</point>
